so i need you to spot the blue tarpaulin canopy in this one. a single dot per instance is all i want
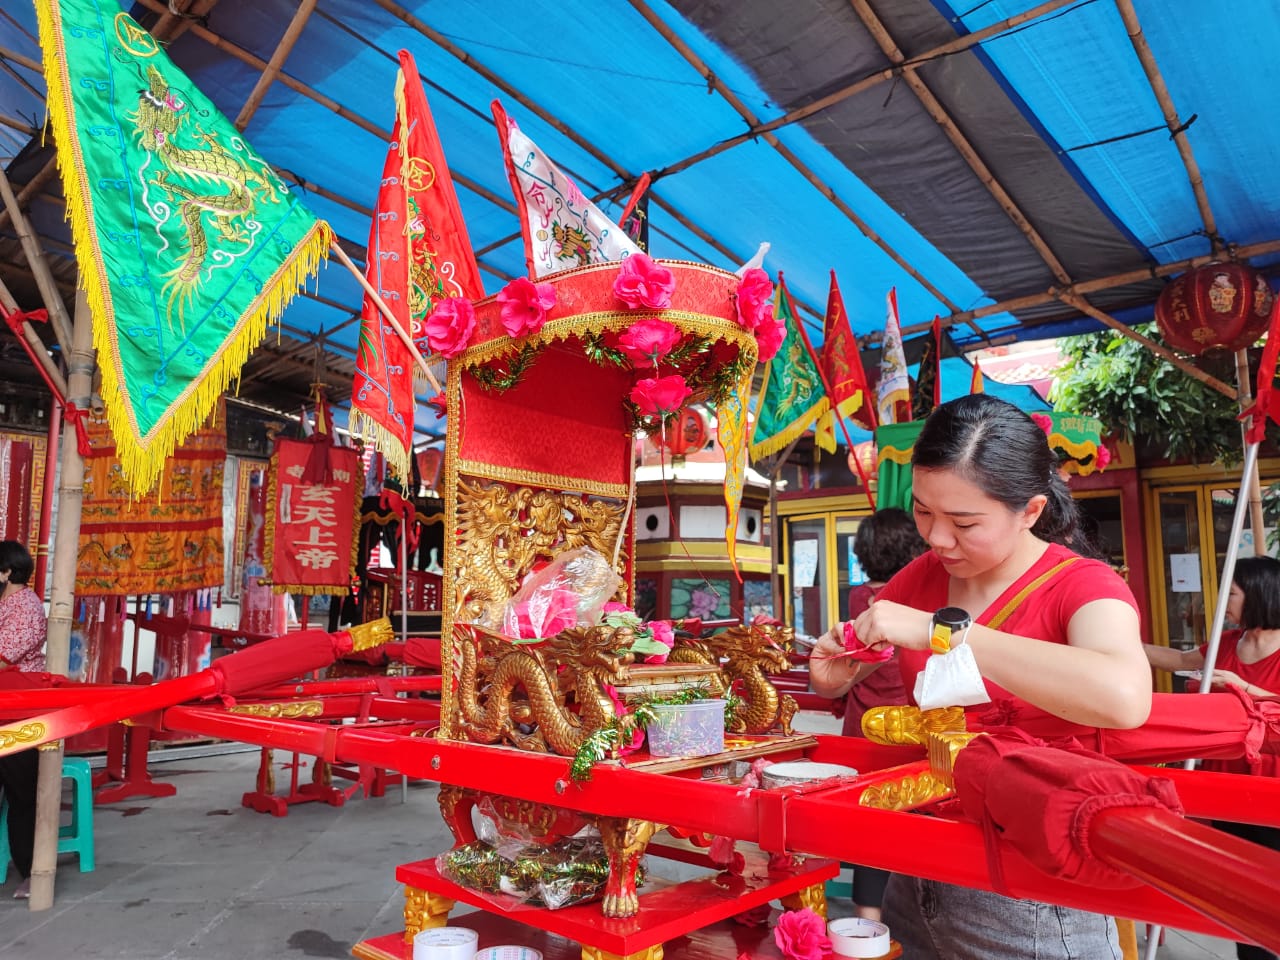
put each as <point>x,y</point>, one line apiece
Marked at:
<point>975,159</point>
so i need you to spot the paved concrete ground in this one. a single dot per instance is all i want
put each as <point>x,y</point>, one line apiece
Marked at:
<point>198,876</point>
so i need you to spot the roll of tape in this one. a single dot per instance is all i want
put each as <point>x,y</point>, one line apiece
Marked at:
<point>856,937</point>
<point>445,943</point>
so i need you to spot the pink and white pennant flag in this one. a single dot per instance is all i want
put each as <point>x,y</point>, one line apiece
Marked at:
<point>562,228</point>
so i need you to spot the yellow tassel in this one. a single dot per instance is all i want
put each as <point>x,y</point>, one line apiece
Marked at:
<point>366,636</point>
<point>360,424</point>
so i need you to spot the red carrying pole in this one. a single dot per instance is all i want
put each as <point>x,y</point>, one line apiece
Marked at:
<point>1195,865</point>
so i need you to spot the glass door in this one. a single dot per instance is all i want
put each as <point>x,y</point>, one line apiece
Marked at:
<point>808,574</point>
<point>1182,555</point>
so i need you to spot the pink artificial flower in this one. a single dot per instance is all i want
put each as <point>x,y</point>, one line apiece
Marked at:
<point>660,396</point>
<point>643,283</point>
<point>1044,422</point>
<point>525,305</point>
<point>614,607</point>
<point>860,651</point>
<point>440,404</point>
<point>754,299</point>
<point>450,326</point>
<point>665,634</point>
<point>769,337</point>
<point>802,935</point>
<point>1102,458</point>
<point>648,341</point>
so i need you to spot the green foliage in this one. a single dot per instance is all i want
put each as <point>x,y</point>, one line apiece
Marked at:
<point>1130,389</point>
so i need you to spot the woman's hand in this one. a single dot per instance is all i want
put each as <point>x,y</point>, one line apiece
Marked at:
<point>886,622</point>
<point>1222,678</point>
<point>830,673</point>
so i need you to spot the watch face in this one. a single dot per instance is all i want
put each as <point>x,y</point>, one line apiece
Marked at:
<point>952,616</point>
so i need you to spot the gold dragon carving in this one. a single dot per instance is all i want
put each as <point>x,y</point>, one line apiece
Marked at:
<point>749,653</point>
<point>910,726</point>
<point>503,530</point>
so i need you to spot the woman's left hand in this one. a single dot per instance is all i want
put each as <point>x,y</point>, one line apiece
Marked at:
<point>886,622</point>
<point>1222,678</point>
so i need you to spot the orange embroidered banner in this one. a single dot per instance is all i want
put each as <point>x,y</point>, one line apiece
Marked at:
<point>167,541</point>
<point>313,515</point>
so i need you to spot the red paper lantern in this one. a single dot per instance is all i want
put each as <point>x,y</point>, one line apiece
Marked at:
<point>1218,305</point>
<point>864,454</point>
<point>686,432</point>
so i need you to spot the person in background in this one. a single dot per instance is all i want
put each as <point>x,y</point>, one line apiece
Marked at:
<point>885,542</point>
<point>1248,658</point>
<point>22,635</point>
<point>989,501</point>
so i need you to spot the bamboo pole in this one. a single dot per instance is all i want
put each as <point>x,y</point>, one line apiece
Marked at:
<point>32,188</point>
<point>272,70</point>
<point>1190,369</point>
<point>957,45</point>
<point>1175,125</point>
<point>17,123</point>
<point>752,120</point>
<point>62,601</point>
<point>966,150</point>
<point>39,268</point>
<point>1081,288</point>
<point>389,316</point>
<point>21,60</point>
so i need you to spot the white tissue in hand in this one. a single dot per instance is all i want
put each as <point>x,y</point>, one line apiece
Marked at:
<point>950,679</point>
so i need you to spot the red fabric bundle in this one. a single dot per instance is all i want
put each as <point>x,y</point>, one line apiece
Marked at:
<point>278,660</point>
<point>1041,801</point>
<point>1204,726</point>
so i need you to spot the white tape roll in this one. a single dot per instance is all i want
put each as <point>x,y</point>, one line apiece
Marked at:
<point>445,943</point>
<point>856,937</point>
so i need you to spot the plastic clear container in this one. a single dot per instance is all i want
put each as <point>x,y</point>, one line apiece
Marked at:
<point>687,729</point>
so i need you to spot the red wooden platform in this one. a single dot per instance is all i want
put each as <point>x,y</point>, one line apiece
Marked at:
<point>669,911</point>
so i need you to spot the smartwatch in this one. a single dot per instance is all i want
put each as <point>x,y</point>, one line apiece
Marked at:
<point>946,623</point>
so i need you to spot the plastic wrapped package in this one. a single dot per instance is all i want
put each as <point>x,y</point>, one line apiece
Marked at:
<point>569,592</point>
<point>561,874</point>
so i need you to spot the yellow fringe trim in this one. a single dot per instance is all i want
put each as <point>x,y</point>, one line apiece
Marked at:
<point>360,424</point>
<point>366,636</point>
<point>142,458</point>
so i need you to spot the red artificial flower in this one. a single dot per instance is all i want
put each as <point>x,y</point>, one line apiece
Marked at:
<point>860,651</point>
<point>665,634</point>
<point>769,337</point>
<point>450,326</point>
<point>1102,458</point>
<point>524,306</point>
<point>660,396</point>
<point>440,404</point>
<point>545,614</point>
<point>754,299</point>
<point>613,606</point>
<point>802,935</point>
<point>1044,422</point>
<point>648,341</point>
<point>643,283</point>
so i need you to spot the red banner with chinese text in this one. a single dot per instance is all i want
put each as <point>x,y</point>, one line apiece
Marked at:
<point>313,500</point>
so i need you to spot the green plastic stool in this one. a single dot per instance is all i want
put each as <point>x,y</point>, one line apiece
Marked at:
<point>75,837</point>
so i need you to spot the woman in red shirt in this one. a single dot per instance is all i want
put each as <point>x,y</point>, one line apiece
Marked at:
<point>998,519</point>
<point>1248,658</point>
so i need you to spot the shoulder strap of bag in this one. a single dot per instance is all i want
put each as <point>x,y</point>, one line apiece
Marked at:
<point>1007,610</point>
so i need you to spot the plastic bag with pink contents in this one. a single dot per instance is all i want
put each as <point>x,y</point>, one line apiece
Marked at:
<point>568,592</point>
